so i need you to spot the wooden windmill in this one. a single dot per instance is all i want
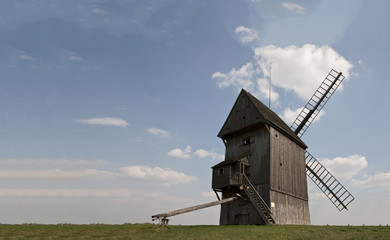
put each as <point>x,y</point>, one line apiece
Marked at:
<point>266,163</point>
<point>263,176</point>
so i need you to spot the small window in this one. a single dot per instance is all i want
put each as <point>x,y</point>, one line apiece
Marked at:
<point>221,171</point>
<point>247,141</point>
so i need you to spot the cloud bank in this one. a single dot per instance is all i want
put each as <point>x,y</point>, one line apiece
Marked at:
<point>165,175</point>
<point>299,70</point>
<point>108,121</point>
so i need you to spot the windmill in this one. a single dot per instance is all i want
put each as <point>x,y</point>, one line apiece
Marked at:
<point>266,163</point>
<point>263,177</point>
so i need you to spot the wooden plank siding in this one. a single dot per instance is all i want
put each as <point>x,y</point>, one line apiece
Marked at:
<point>288,182</point>
<point>276,168</point>
<point>287,165</point>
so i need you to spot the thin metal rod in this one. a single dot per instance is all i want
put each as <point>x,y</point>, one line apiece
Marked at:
<point>270,85</point>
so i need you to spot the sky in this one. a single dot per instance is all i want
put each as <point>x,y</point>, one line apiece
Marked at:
<point>110,110</point>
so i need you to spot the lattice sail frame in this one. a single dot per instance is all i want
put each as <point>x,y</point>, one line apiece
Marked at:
<point>320,97</point>
<point>329,185</point>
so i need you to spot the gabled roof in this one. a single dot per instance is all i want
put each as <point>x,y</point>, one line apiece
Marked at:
<point>262,114</point>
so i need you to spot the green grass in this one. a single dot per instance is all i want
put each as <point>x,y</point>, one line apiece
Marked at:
<point>150,231</point>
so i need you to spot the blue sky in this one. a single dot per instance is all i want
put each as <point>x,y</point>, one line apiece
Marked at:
<point>109,110</point>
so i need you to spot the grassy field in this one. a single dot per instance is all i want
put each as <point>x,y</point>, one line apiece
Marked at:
<point>150,231</point>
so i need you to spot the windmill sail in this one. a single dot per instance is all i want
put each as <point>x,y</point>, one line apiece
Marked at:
<point>328,184</point>
<point>317,102</point>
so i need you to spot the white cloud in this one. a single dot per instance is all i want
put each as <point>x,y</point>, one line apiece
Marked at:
<point>317,196</point>
<point>296,69</point>
<point>247,35</point>
<point>290,115</point>
<point>25,57</point>
<point>158,132</point>
<point>345,168</point>
<point>207,154</point>
<point>66,192</point>
<point>53,174</point>
<point>264,90</point>
<point>241,78</point>
<point>111,121</point>
<point>132,17</point>
<point>76,58</point>
<point>209,194</point>
<point>98,10</point>
<point>300,69</point>
<point>162,175</point>
<point>11,162</point>
<point>178,153</point>
<point>293,7</point>
<point>379,179</point>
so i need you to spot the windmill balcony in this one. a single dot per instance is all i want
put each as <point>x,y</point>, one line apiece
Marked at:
<point>228,174</point>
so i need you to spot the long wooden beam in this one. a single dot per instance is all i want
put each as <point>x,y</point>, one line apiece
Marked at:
<point>190,209</point>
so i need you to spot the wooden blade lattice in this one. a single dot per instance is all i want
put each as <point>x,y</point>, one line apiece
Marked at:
<point>329,185</point>
<point>317,102</point>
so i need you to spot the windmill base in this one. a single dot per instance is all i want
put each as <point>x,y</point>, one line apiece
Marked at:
<point>286,209</point>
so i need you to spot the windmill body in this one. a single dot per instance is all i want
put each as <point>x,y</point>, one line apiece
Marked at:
<point>266,163</point>
<point>261,151</point>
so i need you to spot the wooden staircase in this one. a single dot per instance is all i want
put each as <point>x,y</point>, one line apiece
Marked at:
<point>257,201</point>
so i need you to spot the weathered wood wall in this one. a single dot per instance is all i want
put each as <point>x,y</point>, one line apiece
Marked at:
<point>288,182</point>
<point>243,114</point>
<point>239,212</point>
<point>242,212</point>
<point>289,210</point>
<point>277,166</point>
<point>287,165</point>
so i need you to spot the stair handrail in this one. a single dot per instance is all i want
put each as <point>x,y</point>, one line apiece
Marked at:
<point>248,183</point>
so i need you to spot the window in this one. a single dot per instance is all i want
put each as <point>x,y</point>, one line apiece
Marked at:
<point>221,171</point>
<point>247,141</point>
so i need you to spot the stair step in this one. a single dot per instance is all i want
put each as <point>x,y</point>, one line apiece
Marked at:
<point>257,201</point>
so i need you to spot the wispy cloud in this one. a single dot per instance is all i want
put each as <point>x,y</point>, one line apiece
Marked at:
<point>293,7</point>
<point>109,121</point>
<point>209,194</point>
<point>158,132</point>
<point>49,162</point>
<point>178,153</point>
<point>66,192</point>
<point>76,58</point>
<point>24,56</point>
<point>93,16</point>
<point>247,35</point>
<point>207,154</point>
<point>379,179</point>
<point>345,167</point>
<point>241,78</point>
<point>165,176</point>
<point>53,174</point>
<point>98,10</point>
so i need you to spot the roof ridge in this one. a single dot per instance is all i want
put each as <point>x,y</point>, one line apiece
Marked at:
<point>273,118</point>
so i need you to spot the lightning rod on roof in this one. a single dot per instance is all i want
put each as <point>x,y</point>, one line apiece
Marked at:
<point>270,86</point>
